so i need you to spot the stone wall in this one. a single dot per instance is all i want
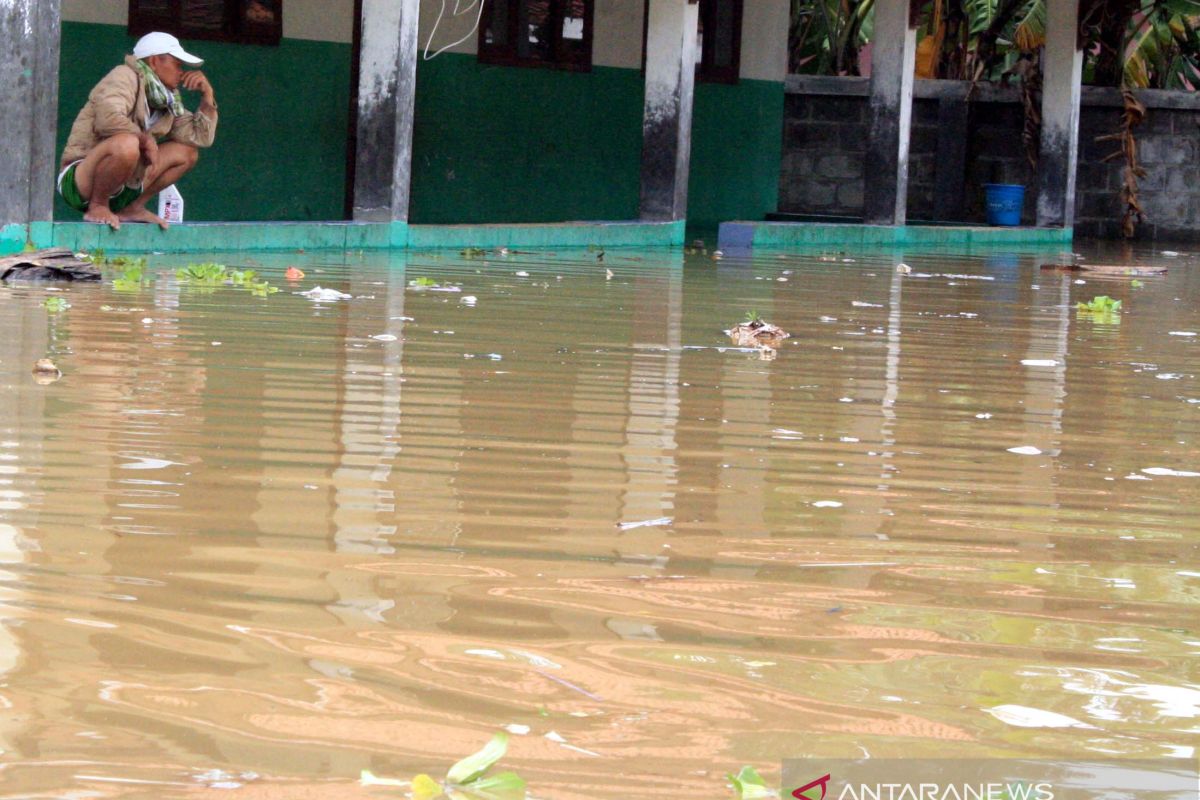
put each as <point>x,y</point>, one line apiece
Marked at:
<point>825,131</point>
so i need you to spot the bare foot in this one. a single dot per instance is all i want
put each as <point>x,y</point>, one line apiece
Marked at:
<point>103,215</point>
<point>142,214</point>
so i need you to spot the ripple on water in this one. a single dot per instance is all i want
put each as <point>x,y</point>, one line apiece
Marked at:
<point>272,542</point>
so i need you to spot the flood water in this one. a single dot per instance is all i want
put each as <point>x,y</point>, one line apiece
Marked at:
<point>261,544</point>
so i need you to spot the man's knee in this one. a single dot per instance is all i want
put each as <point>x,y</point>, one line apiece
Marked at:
<point>125,147</point>
<point>190,156</point>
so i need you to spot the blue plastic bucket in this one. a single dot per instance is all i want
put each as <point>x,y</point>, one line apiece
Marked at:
<point>1004,203</point>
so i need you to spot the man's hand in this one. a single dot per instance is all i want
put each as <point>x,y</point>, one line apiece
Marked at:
<point>195,81</point>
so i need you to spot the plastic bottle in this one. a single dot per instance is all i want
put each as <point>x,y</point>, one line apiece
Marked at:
<point>170,204</point>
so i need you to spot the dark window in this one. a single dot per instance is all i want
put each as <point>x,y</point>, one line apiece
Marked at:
<point>249,21</point>
<point>719,46</point>
<point>537,33</point>
<point>718,40</point>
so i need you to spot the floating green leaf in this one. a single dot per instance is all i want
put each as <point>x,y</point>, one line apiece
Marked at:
<point>753,316</point>
<point>749,785</point>
<point>502,786</point>
<point>55,304</point>
<point>1136,284</point>
<point>473,252</point>
<point>473,766</point>
<point>465,780</point>
<point>1101,304</point>
<point>423,283</point>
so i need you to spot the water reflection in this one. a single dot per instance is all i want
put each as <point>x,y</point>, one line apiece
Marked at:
<point>272,542</point>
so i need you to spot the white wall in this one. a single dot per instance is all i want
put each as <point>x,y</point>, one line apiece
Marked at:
<point>104,12</point>
<point>319,20</point>
<point>764,39</point>
<point>617,38</point>
<point>617,33</point>
<point>616,42</point>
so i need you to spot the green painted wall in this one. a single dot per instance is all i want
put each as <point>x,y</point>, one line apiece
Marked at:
<point>737,144</point>
<point>511,144</point>
<point>492,144</point>
<point>280,152</point>
<point>505,144</point>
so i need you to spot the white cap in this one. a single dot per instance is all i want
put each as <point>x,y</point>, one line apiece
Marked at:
<point>163,44</point>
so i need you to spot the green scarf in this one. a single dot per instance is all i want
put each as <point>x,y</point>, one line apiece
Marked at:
<point>157,94</point>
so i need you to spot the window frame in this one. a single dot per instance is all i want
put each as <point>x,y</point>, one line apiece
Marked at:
<point>705,71</point>
<point>234,28</point>
<point>506,55</point>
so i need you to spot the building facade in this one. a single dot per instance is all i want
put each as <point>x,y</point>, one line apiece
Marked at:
<point>494,140</point>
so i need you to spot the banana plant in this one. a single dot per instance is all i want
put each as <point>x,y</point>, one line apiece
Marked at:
<point>827,35</point>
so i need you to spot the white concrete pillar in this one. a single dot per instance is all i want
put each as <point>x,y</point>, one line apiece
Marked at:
<point>29,45</point>
<point>667,119</point>
<point>1062,70</point>
<point>387,86</point>
<point>893,57</point>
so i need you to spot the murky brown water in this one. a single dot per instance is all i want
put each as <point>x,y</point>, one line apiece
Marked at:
<point>245,541</point>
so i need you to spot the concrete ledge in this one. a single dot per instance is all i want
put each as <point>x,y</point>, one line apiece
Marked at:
<point>209,236</point>
<point>740,235</point>
<point>925,89</point>
<point>203,236</point>
<point>564,234</point>
<point>12,238</point>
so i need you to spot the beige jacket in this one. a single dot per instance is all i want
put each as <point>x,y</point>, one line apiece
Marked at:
<point>118,105</point>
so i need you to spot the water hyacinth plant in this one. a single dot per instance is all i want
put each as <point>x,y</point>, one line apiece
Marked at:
<point>1101,309</point>
<point>211,275</point>
<point>749,785</point>
<point>1101,304</point>
<point>466,780</point>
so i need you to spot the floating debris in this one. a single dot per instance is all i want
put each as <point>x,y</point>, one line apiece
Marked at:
<point>1026,717</point>
<point>1025,450</point>
<point>469,300</point>
<point>319,295</point>
<point>46,371</point>
<point>1116,270</point>
<point>904,269</point>
<point>646,523</point>
<point>54,264</point>
<point>384,337</point>
<point>1039,362</point>
<point>756,332</point>
<point>1170,473</point>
